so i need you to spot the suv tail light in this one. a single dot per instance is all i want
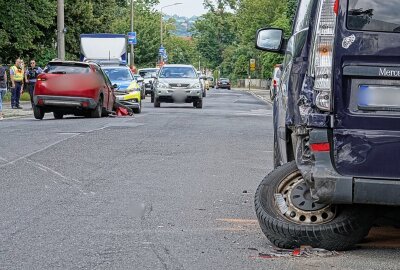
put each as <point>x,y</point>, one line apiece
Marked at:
<point>322,55</point>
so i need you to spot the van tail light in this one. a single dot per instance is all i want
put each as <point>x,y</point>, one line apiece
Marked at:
<point>320,147</point>
<point>322,54</point>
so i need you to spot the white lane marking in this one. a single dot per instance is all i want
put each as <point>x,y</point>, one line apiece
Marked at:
<point>66,180</point>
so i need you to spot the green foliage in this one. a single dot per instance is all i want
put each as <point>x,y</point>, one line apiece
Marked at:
<point>25,26</point>
<point>231,55</point>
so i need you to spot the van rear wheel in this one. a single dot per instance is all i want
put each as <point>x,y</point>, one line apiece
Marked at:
<point>290,218</point>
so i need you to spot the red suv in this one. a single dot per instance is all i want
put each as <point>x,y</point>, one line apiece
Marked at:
<point>77,88</point>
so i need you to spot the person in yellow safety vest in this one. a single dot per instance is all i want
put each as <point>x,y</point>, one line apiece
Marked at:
<point>17,76</point>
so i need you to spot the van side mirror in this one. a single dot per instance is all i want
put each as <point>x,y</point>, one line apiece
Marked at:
<point>115,86</point>
<point>140,80</point>
<point>270,40</point>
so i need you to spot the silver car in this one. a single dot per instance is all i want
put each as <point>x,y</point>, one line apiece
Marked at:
<point>178,84</point>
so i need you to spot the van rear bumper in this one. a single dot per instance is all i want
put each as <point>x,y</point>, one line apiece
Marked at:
<point>328,186</point>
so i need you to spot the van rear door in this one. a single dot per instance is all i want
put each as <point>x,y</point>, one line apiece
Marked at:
<point>366,89</point>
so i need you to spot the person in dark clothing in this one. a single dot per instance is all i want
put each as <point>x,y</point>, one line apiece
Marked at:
<point>31,75</point>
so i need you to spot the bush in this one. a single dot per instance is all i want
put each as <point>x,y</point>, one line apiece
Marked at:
<point>24,97</point>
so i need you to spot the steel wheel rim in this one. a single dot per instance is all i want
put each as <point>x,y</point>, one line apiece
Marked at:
<point>312,213</point>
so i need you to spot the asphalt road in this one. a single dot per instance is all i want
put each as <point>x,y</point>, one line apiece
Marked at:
<point>171,188</point>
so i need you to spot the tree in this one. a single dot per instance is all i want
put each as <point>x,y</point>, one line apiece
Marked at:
<point>26,27</point>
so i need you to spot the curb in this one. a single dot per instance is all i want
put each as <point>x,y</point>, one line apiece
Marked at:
<point>265,99</point>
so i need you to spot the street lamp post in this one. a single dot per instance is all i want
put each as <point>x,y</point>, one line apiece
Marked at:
<point>161,21</point>
<point>60,30</point>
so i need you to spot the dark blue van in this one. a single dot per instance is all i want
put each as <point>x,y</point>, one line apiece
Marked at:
<point>336,124</point>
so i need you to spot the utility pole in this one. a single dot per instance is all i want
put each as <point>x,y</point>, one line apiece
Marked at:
<point>132,60</point>
<point>60,30</point>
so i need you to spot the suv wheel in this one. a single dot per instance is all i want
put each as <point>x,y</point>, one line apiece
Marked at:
<point>38,112</point>
<point>290,218</point>
<point>199,104</point>
<point>157,103</point>
<point>97,112</point>
<point>58,115</point>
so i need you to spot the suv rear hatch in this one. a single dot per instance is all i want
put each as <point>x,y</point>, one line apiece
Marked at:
<point>67,79</point>
<point>366,89</point>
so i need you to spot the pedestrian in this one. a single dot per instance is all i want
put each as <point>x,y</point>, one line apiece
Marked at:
<point>3,88</point>
<point>31,75</point>
<point>17,83</point>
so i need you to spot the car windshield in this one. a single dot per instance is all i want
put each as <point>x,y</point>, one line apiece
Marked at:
<point>66,69</point>
<point>374,15</point>
<point>178,72</point>
<point>148,73</point>
<point>119,74</point>
<point>224,80</point>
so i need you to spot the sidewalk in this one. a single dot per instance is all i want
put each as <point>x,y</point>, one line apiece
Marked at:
<point>12,113</point>
<point>262,94</point>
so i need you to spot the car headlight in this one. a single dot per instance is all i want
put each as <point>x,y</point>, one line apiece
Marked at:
<point>162,85</point>
<point>196,85</point>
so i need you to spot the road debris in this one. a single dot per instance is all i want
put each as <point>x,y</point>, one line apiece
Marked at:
<point>303,251</point>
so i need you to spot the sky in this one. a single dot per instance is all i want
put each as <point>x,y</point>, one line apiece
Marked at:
<point>188,8</point>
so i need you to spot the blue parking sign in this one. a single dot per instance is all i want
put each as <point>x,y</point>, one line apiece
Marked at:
<point>132,38</point>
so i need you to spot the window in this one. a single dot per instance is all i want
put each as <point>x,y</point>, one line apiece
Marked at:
<point>118,74</point>
<point>303,17</point>
<point>374,15</point>
<point>66,68</point>
<point>178,72</point>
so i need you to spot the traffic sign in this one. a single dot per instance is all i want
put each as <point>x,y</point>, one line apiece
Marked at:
<point>252,64</point>
<point>132,38</point>
<point>161,51</point>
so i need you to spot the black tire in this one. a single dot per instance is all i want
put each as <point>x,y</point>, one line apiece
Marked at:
<point>199,104</point>
<point>229,88</point>
<point>138,110</point>
<point>347,227</point>
<point>152,98</point>
<point>194,104</point>
<point>157,103</point>
<point>204,93</point>
<point>38,112</point>
<point>98,111</point>
<point>58,115</point>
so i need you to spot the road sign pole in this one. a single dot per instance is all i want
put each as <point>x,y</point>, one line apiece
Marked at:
<point>132,56</point>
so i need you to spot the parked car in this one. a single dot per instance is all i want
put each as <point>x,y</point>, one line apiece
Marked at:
<point>178,84</point>
<point>336,124</point>
<point>140,80</point>
<point>276,78</point>
<point>148,74</point>
<point>78,88</point>
<point>224,83</point>
<point>127,90</point>
<point>211,82</point>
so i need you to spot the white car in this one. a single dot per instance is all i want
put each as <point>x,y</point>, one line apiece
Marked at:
<point>178,84</point>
